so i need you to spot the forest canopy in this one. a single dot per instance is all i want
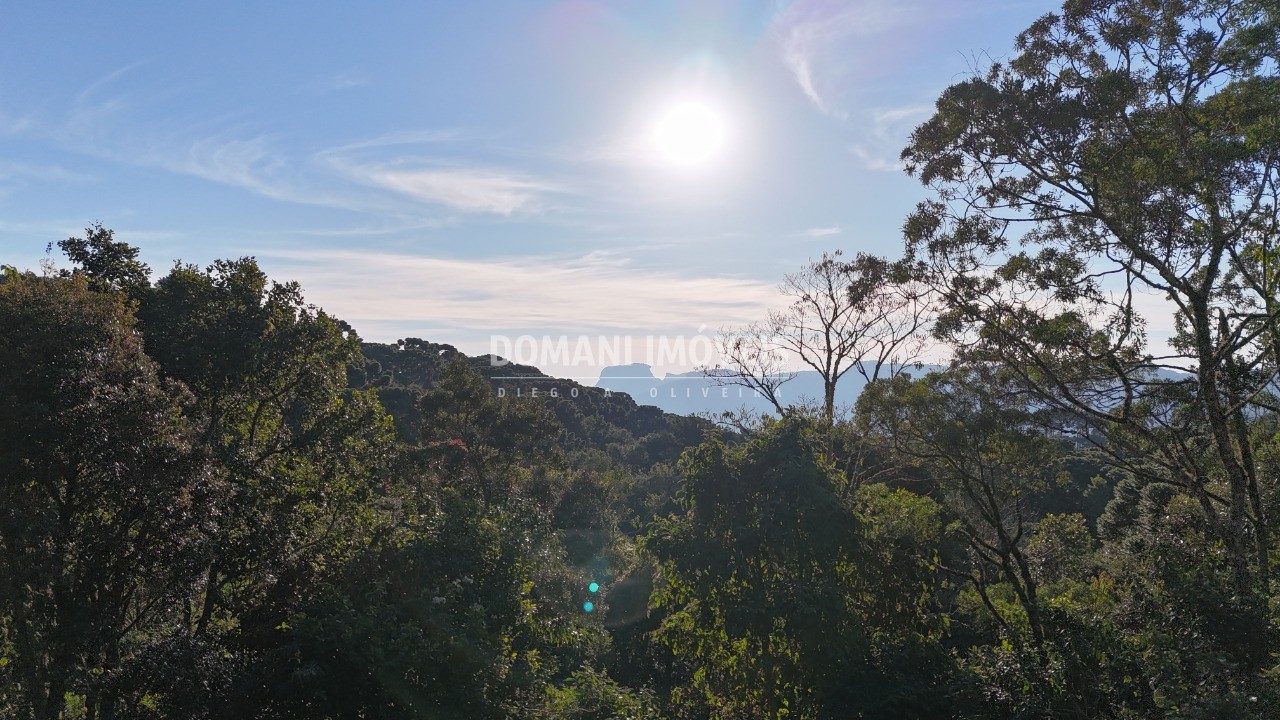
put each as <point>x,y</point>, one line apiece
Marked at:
<point>218,501</point>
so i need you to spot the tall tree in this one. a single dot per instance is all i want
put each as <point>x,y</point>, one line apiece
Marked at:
<point>987,457</point>
<point>1049,645</point>
<point>1129,148</point>
<point>109,263</point>
<point>103,505</point>
<point>304,457</point>
<point>867,315</point>
<point>771,585</point>
<point>465,608</point>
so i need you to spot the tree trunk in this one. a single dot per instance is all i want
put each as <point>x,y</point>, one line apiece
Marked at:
<point>829,401</point>
<point>1220,432</point>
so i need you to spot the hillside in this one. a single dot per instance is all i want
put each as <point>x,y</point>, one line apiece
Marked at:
<point>594,418</point>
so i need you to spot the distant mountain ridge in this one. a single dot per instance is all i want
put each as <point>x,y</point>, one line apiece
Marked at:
<point>693,392</point>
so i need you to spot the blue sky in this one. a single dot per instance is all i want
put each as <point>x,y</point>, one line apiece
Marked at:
<point>456,170</point>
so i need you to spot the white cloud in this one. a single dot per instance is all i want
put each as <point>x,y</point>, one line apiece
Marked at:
<point>17,171</point>
<point>469,190</point>
<point>388,163</point>
<point>333,177</point>
<point>379,174</point>
<point>818,43</point>
<point>252,163</point>
<point>410,137</point>
<point>231,161</point>
<point>89,91</point>
<point>821,232</point>
<point>595,292</point>
<point>111,126</point>
<point>345,80</point>
<point>884,133</point>
<point>1158,310</point>
<point>10,125</point>
<point>395,227</point>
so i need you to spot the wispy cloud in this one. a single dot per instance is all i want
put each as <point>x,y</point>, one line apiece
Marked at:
<point>386,228</point>
<point>396,173</point>
<point>469,190</point>
<point>96,106</point>
<point>407,137</point>
<point>244,162</point>
<point>88,92</point>
<point>595,292</point>
<point>410,165</point>
<point>884,133</point>
<point>820,232</point>
<point>366,175</point>
<point>820,43</point>
<point>250,162</point>
<point>18,171</point>
<point>122,128</point>
<point>344,80</point>
<point>257,163</point>
<point>14,125</point>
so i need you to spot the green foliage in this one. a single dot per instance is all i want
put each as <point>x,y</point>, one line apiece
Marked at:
<point>456,616</point>
<point>302,455</point>
<point>1132,144</point>
<point>217,502</point>
<point>109,263</point>
<point>462,415</point>
<point>592,695</point>
<point>1135,143</point>
<point>763,576</point>
<point>1062,548</point>
<point>465,606</point>
<point>102,502</point>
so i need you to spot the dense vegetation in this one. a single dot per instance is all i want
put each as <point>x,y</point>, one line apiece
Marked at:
<point>216,501</point>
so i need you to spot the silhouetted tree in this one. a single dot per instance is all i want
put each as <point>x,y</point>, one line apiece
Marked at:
<point>108,262</point>
<point>869,316</point>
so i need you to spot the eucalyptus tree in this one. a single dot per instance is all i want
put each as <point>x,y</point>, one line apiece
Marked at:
<point>1036,621</point>
<point>1129,150</point>
<point>985,455</point>
<point>868,316</point>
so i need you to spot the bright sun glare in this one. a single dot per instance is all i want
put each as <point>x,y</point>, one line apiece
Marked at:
<point>689,133</point>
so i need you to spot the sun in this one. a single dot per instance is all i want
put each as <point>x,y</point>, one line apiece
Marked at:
<point>689,133</point>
